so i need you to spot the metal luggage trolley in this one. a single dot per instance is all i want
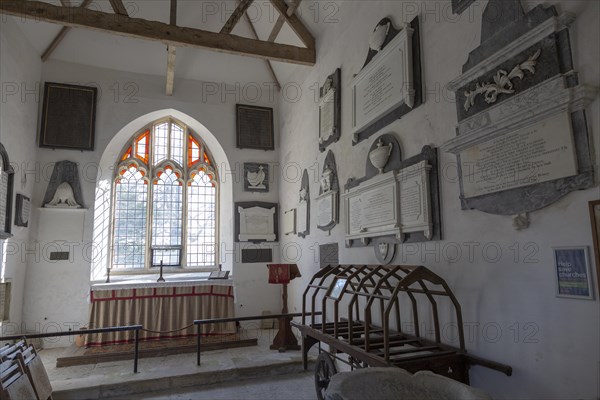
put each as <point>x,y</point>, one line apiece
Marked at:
<point>372,296</point>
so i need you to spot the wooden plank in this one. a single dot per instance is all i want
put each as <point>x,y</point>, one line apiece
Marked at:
<point>158,31</point>
<point>268,62</point>
<point>237,14</point>
<point>297,26</point>
<point>281,20</point>
<point>61,35</point>
<point>171,53</point>
<point>118,7</point>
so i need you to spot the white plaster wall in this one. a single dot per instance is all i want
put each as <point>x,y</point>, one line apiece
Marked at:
<point>508,304</point>
<point>20,71</point>
<point>60,290</point>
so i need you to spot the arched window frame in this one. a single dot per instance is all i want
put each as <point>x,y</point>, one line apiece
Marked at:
<point>185,172</point>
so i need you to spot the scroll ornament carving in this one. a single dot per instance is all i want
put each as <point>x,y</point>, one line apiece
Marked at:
<point>502,82</point>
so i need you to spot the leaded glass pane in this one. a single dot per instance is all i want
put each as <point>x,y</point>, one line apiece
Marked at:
<point>130,220</point>
<point>161,142</point>
<point>167,213</point>
<point>201,221</point>
<point>177,144</point>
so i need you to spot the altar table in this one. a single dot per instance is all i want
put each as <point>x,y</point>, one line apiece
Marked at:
<point>163,308</point>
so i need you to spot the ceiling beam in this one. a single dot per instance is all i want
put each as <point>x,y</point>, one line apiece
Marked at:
<point>171,52</point>
<point>237,14</point>
<point>118,7</point>
<point>297,26</point>
<point>281,20</point>
<point>63,32</point>
<point>268,62</point>
<point>160,32</point>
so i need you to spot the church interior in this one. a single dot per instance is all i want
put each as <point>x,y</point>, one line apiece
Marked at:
<point>300,199</point>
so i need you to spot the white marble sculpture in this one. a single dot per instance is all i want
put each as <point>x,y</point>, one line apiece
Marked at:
<point>256,179</point>
<point>63,197</point>
<point>380,155</point>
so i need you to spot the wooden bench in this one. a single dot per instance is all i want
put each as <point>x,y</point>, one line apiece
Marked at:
<point>32,365</point>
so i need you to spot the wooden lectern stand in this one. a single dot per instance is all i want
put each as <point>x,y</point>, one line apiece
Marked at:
<point>283,274</point>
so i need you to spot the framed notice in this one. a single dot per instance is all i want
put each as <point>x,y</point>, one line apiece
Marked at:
<point>254,127</point>
<point>572,272</point>
<point>595,221</point>
<point>68,116</point>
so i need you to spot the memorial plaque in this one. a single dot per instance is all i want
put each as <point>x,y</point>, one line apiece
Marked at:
<point>415,203</point>
<point>329,254</point>
<point>330,110</point>
<point>302,216</point>
<point>22,210</point>
<point>326,115</point>
<point>326,209</point>
<point>256,256</point>
<point>538,153</point>
<point>68,116</point>
<point>372,208</point>
<point>289,222</point>
<point>385,83</point>
<point>254,127</point>
<point>256,222</point>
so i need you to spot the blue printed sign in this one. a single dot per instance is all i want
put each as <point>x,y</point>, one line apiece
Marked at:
<point>572,272</point>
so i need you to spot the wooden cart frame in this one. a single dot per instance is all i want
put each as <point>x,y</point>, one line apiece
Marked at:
<point>372,296</point>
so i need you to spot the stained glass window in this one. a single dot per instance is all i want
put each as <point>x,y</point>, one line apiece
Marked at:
<point>165,207</point>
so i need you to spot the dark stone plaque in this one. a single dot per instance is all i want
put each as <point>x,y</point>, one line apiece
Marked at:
<point>68,116</point>
<point>255,127</point>
<point>329,254</point>
<point>256,256</point>
<point>59,256</point>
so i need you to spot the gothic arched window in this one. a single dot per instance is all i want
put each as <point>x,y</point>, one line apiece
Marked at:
<point>165,201</point>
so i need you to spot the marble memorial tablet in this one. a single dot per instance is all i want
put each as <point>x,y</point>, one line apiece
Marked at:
<point>327,115</point>
<point>326,209</point>
<point>301,216</point>
<point>538,153</point>
<point>385,83</point>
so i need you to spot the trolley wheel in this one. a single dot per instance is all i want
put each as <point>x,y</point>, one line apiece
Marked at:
<point>324,370</point>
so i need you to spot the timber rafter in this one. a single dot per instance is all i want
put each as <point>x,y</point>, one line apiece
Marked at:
<point>121,24</point>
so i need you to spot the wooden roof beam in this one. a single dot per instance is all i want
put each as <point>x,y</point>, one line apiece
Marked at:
<point>297,26</point>
<point>118,7</point>
<point>281,20</point>
<point>160,32</point>
<point>237,14</point>
<point>268,62</point>
<point>63,32</point>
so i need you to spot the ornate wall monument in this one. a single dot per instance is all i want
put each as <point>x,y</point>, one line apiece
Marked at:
<point>64,188</point>
<point>303,209</point>
<point>389,84</point>
<point>330,110</point>
<point>328,201</point>
<point>395,202</point>
<point>522,139</point>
